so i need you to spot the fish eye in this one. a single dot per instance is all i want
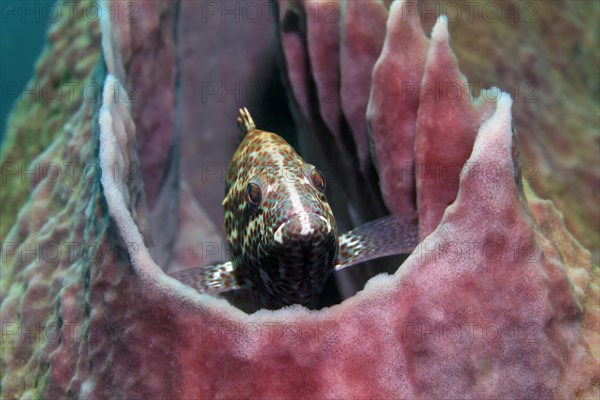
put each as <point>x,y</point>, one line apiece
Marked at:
<point>318,179</point>
<point>253,194</point>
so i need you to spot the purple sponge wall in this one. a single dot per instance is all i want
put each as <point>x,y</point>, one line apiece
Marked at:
<point>497,301</point>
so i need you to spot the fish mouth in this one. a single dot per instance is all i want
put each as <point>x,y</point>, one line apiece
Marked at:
<point>302,227</point>
<point>306,247</point>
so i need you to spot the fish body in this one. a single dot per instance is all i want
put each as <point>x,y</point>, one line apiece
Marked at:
<point>281,229</point>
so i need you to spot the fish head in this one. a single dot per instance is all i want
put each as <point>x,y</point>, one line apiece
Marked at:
<point>298,245</point>
<point>280,226</point>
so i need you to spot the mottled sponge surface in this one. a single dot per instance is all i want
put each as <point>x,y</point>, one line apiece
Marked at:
<point>477,311</point>
<point>61,81</point>
<point>544,54</point>
<point>497,301</point>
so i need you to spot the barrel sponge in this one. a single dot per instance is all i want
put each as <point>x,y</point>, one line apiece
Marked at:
<point>498,300</point>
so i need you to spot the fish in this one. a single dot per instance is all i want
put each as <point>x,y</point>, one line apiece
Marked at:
<point>281,230</point>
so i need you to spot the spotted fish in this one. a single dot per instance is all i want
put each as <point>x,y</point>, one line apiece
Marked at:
<point>281,230</point>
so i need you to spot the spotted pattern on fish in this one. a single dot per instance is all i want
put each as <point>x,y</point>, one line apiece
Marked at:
<point>210,279</point>
<point>383,237</point>
<point>281,230</point>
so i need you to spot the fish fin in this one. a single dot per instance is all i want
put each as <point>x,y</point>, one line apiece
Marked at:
<point>383,237</point>
<point>212,279</point>
<point>245,122</point>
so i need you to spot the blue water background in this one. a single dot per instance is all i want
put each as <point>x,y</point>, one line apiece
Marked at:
<point>22,38</point>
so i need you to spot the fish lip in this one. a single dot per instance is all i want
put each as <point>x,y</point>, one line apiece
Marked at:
<point>278,236</point>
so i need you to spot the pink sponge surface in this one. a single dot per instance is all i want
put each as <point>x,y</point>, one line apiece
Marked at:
<point>482,308</point>
<point>497,301</point>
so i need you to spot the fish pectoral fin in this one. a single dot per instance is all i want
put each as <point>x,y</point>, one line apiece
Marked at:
<point>383,237</point>
<point>211,279</point>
